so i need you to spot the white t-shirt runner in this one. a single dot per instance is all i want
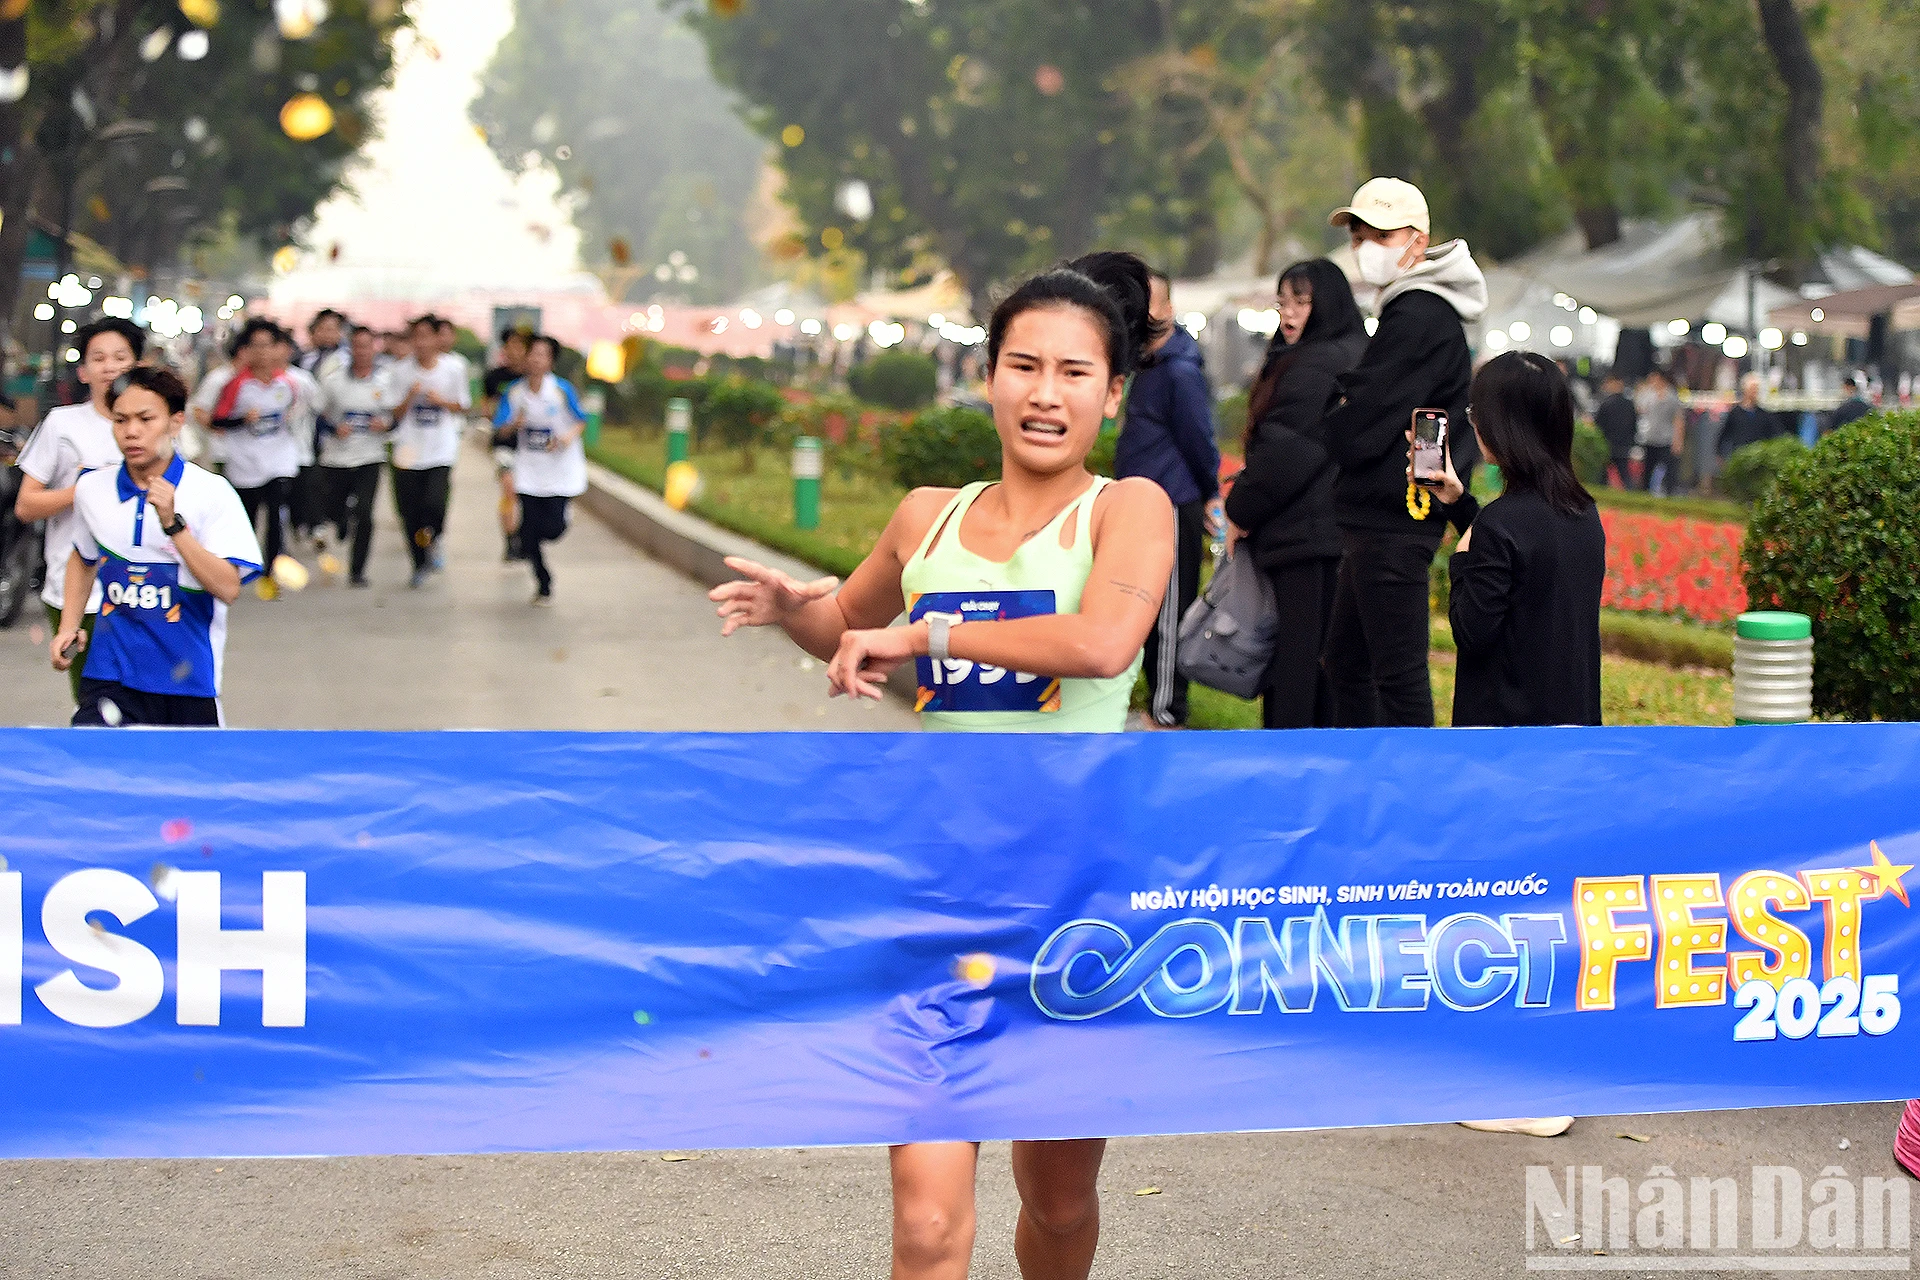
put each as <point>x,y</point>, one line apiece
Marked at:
<point>205,398</point>
<point>267,448</point>
<point>159,631</point>
<point>72,440</point>
<point>355,403</point>
<point>306,411</point>
<point>552,411</point>
<point>429,436</point>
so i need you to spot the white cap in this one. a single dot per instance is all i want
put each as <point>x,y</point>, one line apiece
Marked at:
<point>1386,204</point>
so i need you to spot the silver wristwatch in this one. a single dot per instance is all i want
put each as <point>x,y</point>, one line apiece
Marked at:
<point>939,629</point>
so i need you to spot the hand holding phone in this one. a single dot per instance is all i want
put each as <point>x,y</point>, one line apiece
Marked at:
<point>1430,448</point>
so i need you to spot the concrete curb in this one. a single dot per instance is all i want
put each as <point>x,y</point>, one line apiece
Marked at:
<point>697,548</point>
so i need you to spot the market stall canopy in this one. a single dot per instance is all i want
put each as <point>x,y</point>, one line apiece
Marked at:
<point>1851,314</point>
<point>941,296</point>
<point>1655,273</point>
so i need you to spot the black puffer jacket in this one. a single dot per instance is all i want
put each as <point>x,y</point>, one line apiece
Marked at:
<point>1284,496</point>
<point>1418,360</point>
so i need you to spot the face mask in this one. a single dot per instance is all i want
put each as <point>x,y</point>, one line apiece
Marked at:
<point>1379,263</point>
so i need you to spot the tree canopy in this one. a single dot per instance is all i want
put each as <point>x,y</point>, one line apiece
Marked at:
<point>162,120</point>
<point>994,135</point>
<point>615,97</point>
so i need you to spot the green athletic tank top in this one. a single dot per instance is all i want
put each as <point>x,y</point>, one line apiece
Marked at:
<point>1040,564</point>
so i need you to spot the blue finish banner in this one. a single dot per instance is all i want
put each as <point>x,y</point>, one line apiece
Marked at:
<point>239,943</point>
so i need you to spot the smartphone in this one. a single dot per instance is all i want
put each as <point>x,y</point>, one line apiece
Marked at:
<point>70,648</point>
<point>1429,447</point>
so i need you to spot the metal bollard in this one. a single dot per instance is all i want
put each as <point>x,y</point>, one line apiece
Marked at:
<point>1773,668</point>
<point>595,403</point>
<point>808,463</point>
<point>679,424</point>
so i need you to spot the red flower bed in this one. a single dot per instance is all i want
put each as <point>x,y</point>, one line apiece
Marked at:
<point>1673,565</point>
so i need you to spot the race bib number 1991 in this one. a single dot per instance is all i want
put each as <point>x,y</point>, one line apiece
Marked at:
<point>960,685</point>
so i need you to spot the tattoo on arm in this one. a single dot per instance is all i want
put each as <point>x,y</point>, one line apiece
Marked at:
<point>1136,592</point>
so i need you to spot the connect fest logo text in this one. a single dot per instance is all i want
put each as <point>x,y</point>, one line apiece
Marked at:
<point>1751,941</point>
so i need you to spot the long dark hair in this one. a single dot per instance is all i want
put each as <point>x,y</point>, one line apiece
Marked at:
<point>1335,315</point>
<point>1066,288</point>
<point>1130,280</point>
<point>1523,410</point>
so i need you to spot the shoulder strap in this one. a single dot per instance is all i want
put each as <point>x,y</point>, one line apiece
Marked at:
<point>952,511</point>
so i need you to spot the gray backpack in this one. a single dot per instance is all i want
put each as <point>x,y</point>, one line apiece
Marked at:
<point>1226,639</point>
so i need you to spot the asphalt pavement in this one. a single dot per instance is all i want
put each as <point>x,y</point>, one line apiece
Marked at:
<point>632,646</point>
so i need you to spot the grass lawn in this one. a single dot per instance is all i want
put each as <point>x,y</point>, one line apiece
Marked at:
<point>1630,693</point>
<point>855,507</point>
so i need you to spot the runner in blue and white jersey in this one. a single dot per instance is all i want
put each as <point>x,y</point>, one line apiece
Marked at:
<point>549,462</point>
<point>171,546</point>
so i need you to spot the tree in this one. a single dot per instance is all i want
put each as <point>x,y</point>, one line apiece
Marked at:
<point>616,98</point>
<point>122,139</point>
<point>1288,159</point>
<point>987,135</point>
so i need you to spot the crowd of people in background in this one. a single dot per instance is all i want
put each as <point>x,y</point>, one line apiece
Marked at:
<point>1345,538</point>
<point>298,440</point>
<point>1655,446</point>
<point>1346,534</point>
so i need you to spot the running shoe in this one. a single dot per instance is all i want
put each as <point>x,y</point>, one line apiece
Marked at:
<point>543,598</point>
<point>419,578</point>
<point>266,589</point>
<point>437,556</point>
<point>358,580</point>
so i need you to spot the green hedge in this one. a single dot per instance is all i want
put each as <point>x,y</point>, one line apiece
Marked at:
<point>949,447</point>
<point>896,380</point>
<point>1654,504</point>
<point>1837,538</point>
<point>944,448</point>
<point>1752,469</point>
<point>1590,455</point>
<point>743,413</point>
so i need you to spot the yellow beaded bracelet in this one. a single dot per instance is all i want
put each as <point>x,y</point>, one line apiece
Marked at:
<point>1419,501</point>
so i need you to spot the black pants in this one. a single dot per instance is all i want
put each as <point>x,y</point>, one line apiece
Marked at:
<point>136,706</point>
<point>1378,637</point>
<point>1658,455</point>
<point>1166,687</point>
<point>421,497</point>
<point>542,520</point>
<point>309,499</point>
<point>273,495</point>
<point>349,505</point>
<point>1621,464</point>
<point>1296,693</point>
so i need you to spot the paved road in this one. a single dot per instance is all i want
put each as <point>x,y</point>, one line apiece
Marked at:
<point>1435,1202</point>
<point>629,645</point>
<point>632,646</point>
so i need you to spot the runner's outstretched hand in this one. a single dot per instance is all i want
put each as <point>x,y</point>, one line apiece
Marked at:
<point>865,658</point>
<point>763,596</point>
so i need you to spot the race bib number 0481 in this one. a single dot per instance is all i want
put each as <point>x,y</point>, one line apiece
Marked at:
<point>958,685</point>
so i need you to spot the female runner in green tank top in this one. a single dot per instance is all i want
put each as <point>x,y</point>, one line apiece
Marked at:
<point>1032,598</point>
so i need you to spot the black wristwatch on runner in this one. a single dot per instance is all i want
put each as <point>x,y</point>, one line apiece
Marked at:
<point>177,527</point>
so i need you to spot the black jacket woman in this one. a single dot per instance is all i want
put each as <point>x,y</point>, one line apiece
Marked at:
<point>1281,509</point>
<point>1527,574</point>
